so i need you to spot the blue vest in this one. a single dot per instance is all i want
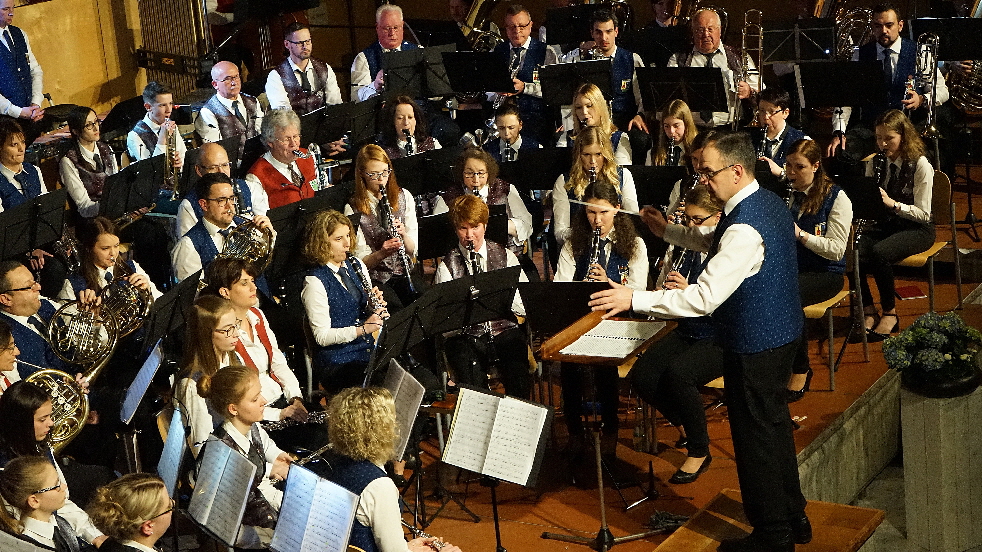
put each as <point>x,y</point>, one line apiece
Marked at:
<point>622,83</point>
<point>791,135</point>
<point>10,196</point>
<point>808,260</point>
<point>700,327</point>
<point>203,244</point>
<point>906,63</point>
<point>530,106</point>
<point>494,147</point>
<point>765,311</point>
<point>242,190</point>
<point>355,476</point>
<point>15,70</point>
<point>373,55</point>
<point>78,281</point>
<point>614,262</point>
<point>34,348</point>
<point>345,312</point>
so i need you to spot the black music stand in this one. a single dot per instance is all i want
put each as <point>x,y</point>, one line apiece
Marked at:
<point>135,187</point>
<point>560,81</point>
<point>437,234</point>
<point>32,224</point>
<point>701,88</point>
<point>536,169</point>
<point>400,333</point>
<point>122,117</point>
<point>473,300</point>
<point>417,73</point>
<point>571,24</point>
<point>131,401</point>
<point>169,311</point>
<point>437,32</point>
<point>551,307</point>
<point>802,40</point>
<point>429,171</point>
<point>656,45</point>
<point>476,72</point>
<point>865,78</point>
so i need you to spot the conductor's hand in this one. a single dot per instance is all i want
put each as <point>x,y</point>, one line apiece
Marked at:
<point>139,280</point>
<point>637,122</point>
<point>743,90</point>
<point>262,221</point>
<point>675,280</point>
<point>836,143</point>
<point>914,101</point>
<point>775,169</point>
<point>335,147</point>
<point>655,220</point>
<point>615,300</point>
<point>281,467</point>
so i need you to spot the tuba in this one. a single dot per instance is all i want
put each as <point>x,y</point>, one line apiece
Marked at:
<point>966,89</point>
<point>69,403</point>
<point>477,26</point>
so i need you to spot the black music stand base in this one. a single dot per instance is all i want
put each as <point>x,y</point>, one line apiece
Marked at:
<point>420,518</point>
<point>488,481</point>
<point>604,540</point>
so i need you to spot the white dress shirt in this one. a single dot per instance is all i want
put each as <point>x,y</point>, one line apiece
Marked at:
<point>361,77</point>
<point>519,218</point>
<point>137,150</point>
<point>832,243</point>
<point>378,509</point>
<point>318,310</point>
<point>561,210</point>
<point>270,450</point>
<point>920,211</point>
<point>201,418</point>
<point>70,179</point>
<point>37,79</point>
<point>73,514</point>
<point>41,532</point>
<point>637,276</point>
<point>288,385</point>
<point>138,546</point>
<point>186,258</point>
<point>276,93</point>
<point>697,59</point>
<point>68,291</point>
<point>186,217</point>
<point>207,123</point>
<point>9,378</point>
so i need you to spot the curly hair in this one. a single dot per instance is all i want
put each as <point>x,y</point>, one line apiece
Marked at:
<point>317,246</point>
<point>389,136</point>
<point>363,424</point>
<point>578,176</point>
<point>19,479</point>
<point>226,386</point>
<point>822,184</point>
<point>278,118</point>
<point>121,507</point>
<point>911,145</point>
<point>199,352</point>
<point>677,109</point>
<point>479,154</point>
<point>581,235</point>
<point>359,197</point>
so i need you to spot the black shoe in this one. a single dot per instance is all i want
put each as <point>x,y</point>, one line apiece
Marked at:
<point>683,442</point>
<point>876,337</point>
<point>801,530</point>
<point>681,477</point>
<point>795,396</point>
<point>753,543</point>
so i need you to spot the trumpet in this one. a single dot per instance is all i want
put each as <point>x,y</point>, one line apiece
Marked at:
<point>374,302</point>
<point>594,255</point>
<point>390,222</point>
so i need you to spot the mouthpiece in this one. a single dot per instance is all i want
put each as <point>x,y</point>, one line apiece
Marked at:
<point>405,132</point>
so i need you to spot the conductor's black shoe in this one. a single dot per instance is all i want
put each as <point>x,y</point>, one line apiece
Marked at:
<point>801,530</point>
<point>755,543</point>
<point>682,477</point>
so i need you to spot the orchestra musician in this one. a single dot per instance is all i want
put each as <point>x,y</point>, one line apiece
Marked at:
<point>388,225</point>
<point>250,195</point>
<point>709,51</point>
<point>775,136</point>
<point>664,12</point>
<point>363,436</point>
<point>675,140</point>
<point>135,511</point>
<point>8,358</point>
<point>236,394</point>
<point>21,78</point>
<point>750,287</point>
<point>508,121</point>
<point>337,305</point>
<point>301,82</point>
<point>366,69</point>
<point>823,218</point>
<point>149,136</point>
<point>500,343</point>
<point>285,176</point>
<point>230,112</point>
<point>31,487</point>
<point>87,161</point>
<point>407,134</point>
<point>590,110</point>
<point>621,257</point>
<point>100,261</point>
<point>906,187</point>
<point>206,239</point>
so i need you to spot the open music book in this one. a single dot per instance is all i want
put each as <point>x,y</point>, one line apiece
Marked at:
<point>302,527</point>
<point>408,395</point>
<point>613,338</point>
<point>10,543</point>
<point>175,447</point>
<point>497,436</point>
<point>220,491</point>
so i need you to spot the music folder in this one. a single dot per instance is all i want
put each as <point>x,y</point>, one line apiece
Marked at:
<point>175,449</point>
<point>138,389</point>
<point>134,187</point>
<point>570,24</point>
<point>428,171</point>
<point>331,122</point>
<point>536,169</point>
<point>407,393</point>
<point>220,491</point>
<point>316,514</point>
<point>655,44</point>
<point>864,193</point>
<point>550,307</point>
<point>472,300</point>
<point>560,80</point>
<point>701,88</point>
<point>32,224</point>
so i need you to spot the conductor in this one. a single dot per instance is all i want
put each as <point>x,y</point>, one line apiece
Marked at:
<point>750,286</point>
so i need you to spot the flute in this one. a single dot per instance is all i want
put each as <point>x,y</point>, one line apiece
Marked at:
<point>420,534</point>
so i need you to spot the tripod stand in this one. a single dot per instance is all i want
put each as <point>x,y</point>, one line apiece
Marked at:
<point>970,183</point>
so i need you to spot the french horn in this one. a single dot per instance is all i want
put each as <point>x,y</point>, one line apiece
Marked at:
<point>251,242</point>
<point>69,403</point>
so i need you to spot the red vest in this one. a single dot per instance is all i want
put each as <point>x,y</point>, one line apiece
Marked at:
<point>278,187</point>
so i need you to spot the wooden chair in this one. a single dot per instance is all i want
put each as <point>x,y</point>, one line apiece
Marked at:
<point>824,309</point>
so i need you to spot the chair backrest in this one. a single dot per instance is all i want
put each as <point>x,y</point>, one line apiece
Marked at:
<point>941,199</point>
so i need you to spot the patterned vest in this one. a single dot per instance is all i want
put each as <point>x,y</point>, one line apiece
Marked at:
<point>765,311</point>
<point>345,312</point>
<point>394,152</point>
<point>15,70</point>
<point>147,135</point>
<point>355,476</point>
<point>92,180</point>
<point>808,260</point>
<point>229,124</point>
<point>373,55</point>
<point>700,327</point>
<point>459,267</point>
<point>303,102</point>
<point>258,511</point>
<point>376,233</point>
<point>30,183</point>
<point>622,83</point>
<point>279,189</point>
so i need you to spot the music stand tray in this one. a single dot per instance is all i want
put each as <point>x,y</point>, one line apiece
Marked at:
<point>476,72</point>
<point>701,88</point>
<point>560,81</point>
<point>32,224</point>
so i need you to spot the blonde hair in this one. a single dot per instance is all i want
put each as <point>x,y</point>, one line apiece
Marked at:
<point>592,93</point>
<point>578,177</point>
<point>363,424</point>
<point>317,247</point>
<point>676,109</point>
<point>21,477</point>
<point>227,386</point>
<point>359,197</point>
<point>121,507</point>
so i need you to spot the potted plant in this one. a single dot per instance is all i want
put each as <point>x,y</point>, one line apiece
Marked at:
<point>937,356</point>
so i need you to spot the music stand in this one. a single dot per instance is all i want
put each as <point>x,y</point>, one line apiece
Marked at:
<point>551,307</point>
<point>958,37</point>
<point>560,81</point>
<point>438,236</point>
<point>437,32</point>
<point>417,73</point>
<point>472,300</point>
<point>429,171</point>
<point>476,72</point>
<point>169,311</point>
<point>865,80</point>
<point>571,24</point>
<point>401,332</point>
<point>536,169</point>
<point>803,40</point>
<point>864,193</point>
<point>656,45</point>
<point>701,88</point>
<point>32,224</point>
<point>122,118</point>
<point>135,187</point>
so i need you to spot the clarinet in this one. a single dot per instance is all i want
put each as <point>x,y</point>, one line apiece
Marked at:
<point>594,255</point>
<point>420,534</point>
<point>407,264</point>
<point>475,270</point>
<point>322,178</point>
<point>409,142</point>
<point>672,159</point>
<point>593,175</point>
<point>374,305</point>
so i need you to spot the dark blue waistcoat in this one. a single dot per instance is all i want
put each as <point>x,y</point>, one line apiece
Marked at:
<point>203,243</point>
<point>494,146</point>
<point>15,70</point>
<point>355,476</point>
<point>699,327</point>
<point>78,281</point>
<point>530,107</point>
<point>808,260</point>
<point>614,262</point>
<point>34,348</point>
<point>10,196</point>
<point>373,55</point>
<point>622,83</point>
<point>345,312</point>
<point>791,135</point>
<point>906,62</point>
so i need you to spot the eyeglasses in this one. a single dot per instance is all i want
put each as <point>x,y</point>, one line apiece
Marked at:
<point>390,30</point>
<point>173,505</point>
<point>93,125</point>
<point>221,200</point>
<point>213,168</point>
<point>381,175</point>
<point>307,42</point>
<point>230,330</point>
<point>771,113</point>
<point>289,139</point>
<point>518,27</point>
<point>478,174</point>
<point>28,288</point>
<point>42,491</point>
<point>231,78</point>
<point>712,175</point>
<point>685,219</point>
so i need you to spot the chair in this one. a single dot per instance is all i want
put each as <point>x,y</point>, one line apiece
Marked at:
<point>824,309</point>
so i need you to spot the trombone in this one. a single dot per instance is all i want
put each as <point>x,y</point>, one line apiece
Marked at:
<point>751,61</point>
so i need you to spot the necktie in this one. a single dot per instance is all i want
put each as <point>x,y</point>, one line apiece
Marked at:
<point>706,115</point>
<point>888,65</point>
<point>516,59</point>
<point>9,39</point>
<point>510,153</point>
<point>799,200</point>
<point>892,183</point>
<point>602,259</point>
<point>108,276</point>
<point>97,161</point>
<point>349,283</point>
<point>295,176</point>
<point>769,144</point>
<point>64,536</point>
<point>225,232</point>
<point>476,264</point>
<point>304,81</point>
<point>21,179</point>
<point>6,382</point>
<point>238,114</point>
<point>36,323</point>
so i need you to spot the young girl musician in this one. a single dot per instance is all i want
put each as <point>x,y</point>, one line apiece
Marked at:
<point>100,261</point>
<point>134,510</point>
<point>675,140</point>
<point>590,110</point>
<point>87,162</point>
<point>31,485</point>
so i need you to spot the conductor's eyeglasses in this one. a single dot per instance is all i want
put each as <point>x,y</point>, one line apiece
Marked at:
<point>30,287</point>
<point>711,175</point>
<point>381,175</point>
<point>230,330</point>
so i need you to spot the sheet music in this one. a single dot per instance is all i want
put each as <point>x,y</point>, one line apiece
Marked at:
<point>408,395</point>
<point>329,526</point>
<point>297,501</point>
<point>10,543</point>
<point>221,489</point>
<point>137,389</point>
<point>470,431</point>
<point>613,338</point>
<point>208,478</point>
<point>169,465</point>
<point>514,440</point>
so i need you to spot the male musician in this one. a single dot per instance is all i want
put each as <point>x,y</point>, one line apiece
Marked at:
<point>473,350</point>
<point>773,139</point>
<point>214,159</point>
<point>230,112</point>
<point>899,58</point>
<point>28,315</point>
<point>750,287</point>
<point>525,55</point>
<point>206,239</point>
<point>301,82</point>
<point>708,51</point>
<point>664,11</point>
<point>149,136</point>
<point>285,177</point>
<point>21,78</point>
<point>366,70</point>
<point>508,121</point>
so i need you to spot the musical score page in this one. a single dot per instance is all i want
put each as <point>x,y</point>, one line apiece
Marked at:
<point>613,338</point>
<point>208,478</point>
<point>407,393</point>
<point>514,440</point>
<point>297,500</point>
<point>221,489</point>
<point>169,465</point>
<point>329,525</point>
<point>10,543</point>
<point>470,431</point>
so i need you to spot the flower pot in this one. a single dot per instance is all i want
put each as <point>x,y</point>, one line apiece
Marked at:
<point>927,384</point>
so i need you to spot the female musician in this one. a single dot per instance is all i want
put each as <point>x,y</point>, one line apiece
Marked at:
<point>236,394</point>
<point>337,304</point>
<point>905,188</point>
<point>26,410</point>
<point>669,374</point>
<point>591,155</point>
<point>823,217</point>
<point>100,262</point>
<point>621,256</point>
<point>209,343</point>
<point>388,225</point>
<point>590,110</point>
<point>363,432</point>
<point>407,135</point>
<point>87,162</point>
<point>135,511</point>
<point>675,141</point>
<point>31,485</point>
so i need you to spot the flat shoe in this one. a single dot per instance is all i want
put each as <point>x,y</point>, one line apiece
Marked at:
<point>681,477</point>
